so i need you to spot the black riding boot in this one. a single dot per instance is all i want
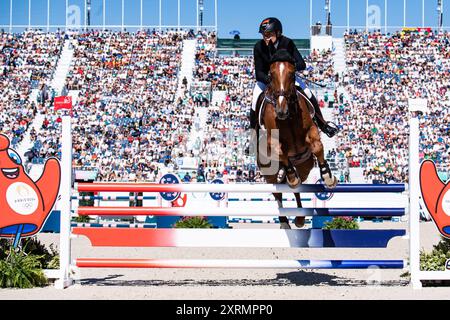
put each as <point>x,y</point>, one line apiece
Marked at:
<point>320,121</point>
<point>253,119</point>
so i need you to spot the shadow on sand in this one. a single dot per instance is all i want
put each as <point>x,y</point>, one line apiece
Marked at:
<point>300,278</point>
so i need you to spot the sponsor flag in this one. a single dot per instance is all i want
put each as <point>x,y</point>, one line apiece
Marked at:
<point>63,102</point>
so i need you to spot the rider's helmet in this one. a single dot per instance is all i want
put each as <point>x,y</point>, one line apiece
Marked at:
<point>271,25</point>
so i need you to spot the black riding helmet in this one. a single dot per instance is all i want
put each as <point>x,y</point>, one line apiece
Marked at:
<point>271,25</point>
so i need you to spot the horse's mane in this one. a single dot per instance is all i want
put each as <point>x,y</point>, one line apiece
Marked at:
<point>282,55</point>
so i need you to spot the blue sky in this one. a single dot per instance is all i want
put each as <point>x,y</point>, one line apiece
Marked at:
<point>241,15</point>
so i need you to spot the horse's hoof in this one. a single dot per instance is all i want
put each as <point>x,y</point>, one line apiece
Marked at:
<point>299,222</point>
<point>285,225</point>
<point>330,182</point>
<point>294,183</point>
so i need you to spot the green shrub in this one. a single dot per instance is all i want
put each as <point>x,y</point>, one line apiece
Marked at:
<point>341,223</point>
<point>435,260</point>
<point>31,246</point>
<point>20,270</point>
<point>54,263</point>
<point>82,219</point>
<point>4,246</point>
<point>193,222</point>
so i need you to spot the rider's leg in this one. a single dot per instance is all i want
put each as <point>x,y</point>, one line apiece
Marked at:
<point>313,138</point>
<point>318,113</point>
<point>318,116</point>
<point>259,87</point>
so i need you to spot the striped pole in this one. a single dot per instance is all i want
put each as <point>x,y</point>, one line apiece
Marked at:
<point>238,264</point>
<point>114,198</point>
<point>176,211</point>
<point>238,238</point>
<point>268,199</point>
<point>234,188</point>
<point>131,198</point>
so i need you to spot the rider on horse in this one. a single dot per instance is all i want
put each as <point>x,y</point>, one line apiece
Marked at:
<point>271,29</point>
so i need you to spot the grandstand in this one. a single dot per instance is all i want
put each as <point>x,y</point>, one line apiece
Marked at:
<point>148,98</point>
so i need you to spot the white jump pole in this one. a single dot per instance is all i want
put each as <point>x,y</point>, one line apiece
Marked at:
<point>414,192</point>
<point>64,280</point>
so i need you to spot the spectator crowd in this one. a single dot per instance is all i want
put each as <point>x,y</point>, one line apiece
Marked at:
<point>132,117</point>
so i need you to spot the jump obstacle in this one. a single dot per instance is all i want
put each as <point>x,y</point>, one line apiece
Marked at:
<point>299,238</point>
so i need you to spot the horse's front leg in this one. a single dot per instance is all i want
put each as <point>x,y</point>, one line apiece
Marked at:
<point>299,220</point>
<point>284,221</point>
<point>313,138</point>
<point>277,154</point>
<point>292,177</point>
<point>281,150</point>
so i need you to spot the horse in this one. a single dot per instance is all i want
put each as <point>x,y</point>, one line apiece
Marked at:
<point>296,145</point>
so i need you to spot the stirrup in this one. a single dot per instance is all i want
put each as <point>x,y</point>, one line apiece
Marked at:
<point>329,128</point>
<point>333,125</point>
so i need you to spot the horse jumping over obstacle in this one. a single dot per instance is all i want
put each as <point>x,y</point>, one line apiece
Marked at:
<point>285,109</point>
<point>312,238</point>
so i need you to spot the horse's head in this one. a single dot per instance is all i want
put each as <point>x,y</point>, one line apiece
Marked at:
<point>282,85</point>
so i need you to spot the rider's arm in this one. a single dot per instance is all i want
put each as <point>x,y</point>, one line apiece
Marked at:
<point>300,64</point>
<point>259,66</point>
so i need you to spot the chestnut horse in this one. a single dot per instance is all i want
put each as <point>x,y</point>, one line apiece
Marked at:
<point>293,141</point>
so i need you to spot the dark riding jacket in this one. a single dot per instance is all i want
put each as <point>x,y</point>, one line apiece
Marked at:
<point>262,57</point>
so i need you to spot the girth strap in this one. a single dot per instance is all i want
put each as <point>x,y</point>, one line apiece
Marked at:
<point>301,157</point>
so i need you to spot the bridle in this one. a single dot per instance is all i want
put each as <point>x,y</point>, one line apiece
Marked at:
<point>290,95</point>
<point>272,95</point>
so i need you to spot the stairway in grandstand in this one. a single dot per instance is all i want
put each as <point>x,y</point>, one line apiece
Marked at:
<point>62,71</point>
<point>339,63</point>
<point>201,113</point>
<point>187,64</point>
<point>340,67</point>
<point>26,143</point>
<point>197,130</point>
<point>62,68</point>
<point>339,56</point>
<point>57,84</point>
